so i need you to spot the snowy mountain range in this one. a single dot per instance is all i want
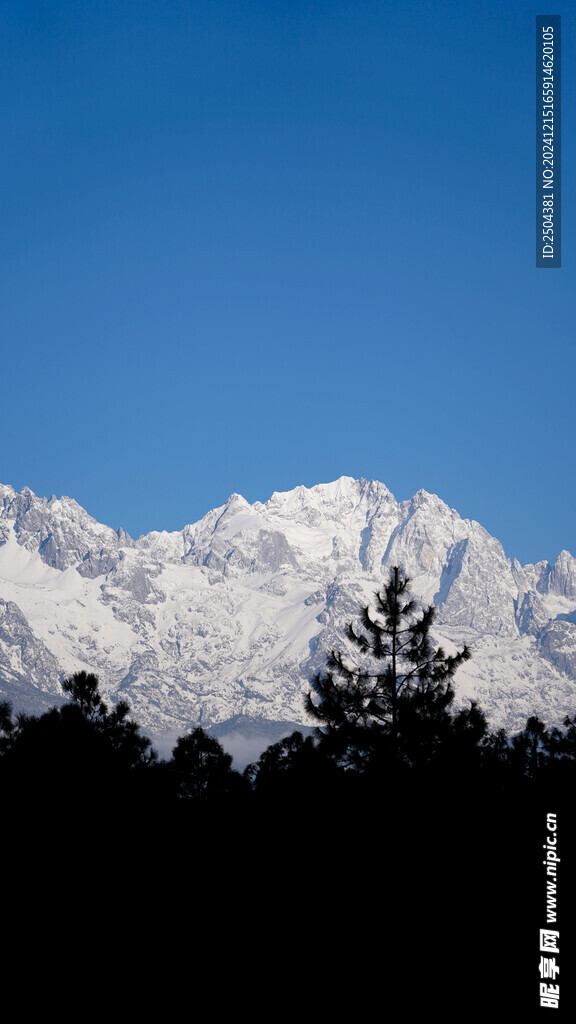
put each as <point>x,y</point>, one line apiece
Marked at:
<point>225,621</point>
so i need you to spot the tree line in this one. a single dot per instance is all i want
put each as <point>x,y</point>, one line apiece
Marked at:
<point>402,841</point>
<point>389,718</point>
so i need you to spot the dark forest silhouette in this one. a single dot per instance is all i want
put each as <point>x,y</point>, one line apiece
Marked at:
<point>400,809</point>
<point>391,717</point>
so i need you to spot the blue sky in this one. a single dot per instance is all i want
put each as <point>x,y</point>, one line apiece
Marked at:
<point>249,245</point>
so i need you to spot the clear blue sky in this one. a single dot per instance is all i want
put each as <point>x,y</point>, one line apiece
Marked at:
<point>248,245</point>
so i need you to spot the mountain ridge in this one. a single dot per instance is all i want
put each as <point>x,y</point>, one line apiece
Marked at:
<point>230,616</point>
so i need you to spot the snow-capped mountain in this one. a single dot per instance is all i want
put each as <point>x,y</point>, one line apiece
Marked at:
<point>231,616</point>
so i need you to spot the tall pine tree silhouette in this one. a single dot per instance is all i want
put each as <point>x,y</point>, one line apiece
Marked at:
<point>398,701</point>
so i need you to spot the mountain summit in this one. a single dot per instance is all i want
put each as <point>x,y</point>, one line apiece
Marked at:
<point>231,616</point>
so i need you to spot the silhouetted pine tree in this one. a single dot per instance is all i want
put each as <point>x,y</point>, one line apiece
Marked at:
<point>396,706</point>
<point>534,748</point>
<point>83,689</point>
<point>80,756</point>
<point>202,769</point>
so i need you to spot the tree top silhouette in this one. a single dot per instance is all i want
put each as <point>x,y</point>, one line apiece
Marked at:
<point>405,678</point>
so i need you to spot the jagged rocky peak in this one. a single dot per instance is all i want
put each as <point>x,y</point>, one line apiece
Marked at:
<point>557,579</point>
<point>60,531</point>
<point>237,539</point>
<point>333,500</point>
<point>207,541</point>
<point>162,545</point>
<point>562,579</point>
<point>424,499</point>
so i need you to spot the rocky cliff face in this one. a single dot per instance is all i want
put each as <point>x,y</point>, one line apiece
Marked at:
<point>231,616</point>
